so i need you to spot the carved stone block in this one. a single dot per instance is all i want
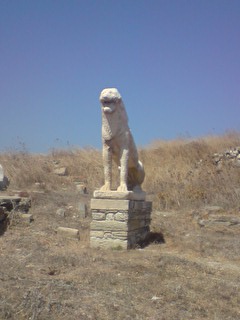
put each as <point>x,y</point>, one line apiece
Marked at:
<point>119,223</point>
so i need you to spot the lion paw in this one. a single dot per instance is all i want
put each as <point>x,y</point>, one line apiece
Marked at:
<point>106,187</point>
<point>122,188</point>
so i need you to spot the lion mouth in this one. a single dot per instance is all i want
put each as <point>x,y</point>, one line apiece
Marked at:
<point>108,107</point>
<point>107,110</point>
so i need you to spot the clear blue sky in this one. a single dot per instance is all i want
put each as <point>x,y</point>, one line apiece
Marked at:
<point>176,64</point>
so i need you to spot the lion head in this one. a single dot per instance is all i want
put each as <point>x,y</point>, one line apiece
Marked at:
<point>109,99</point>
<point>114,116</point>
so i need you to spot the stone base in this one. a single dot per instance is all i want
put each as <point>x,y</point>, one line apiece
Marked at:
<point>18,203</point>
<point>129,195</point>
<point>119,224</point>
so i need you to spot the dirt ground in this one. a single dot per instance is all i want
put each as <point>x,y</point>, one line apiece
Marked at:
<point>193,274</point>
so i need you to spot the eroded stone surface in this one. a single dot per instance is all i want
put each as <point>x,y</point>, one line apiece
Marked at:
<point>4,182</point>
<point>109,204</point>
<point>68,232</point>
<point>119,223</point>
<point>128,195</point>
<point>118,144</point>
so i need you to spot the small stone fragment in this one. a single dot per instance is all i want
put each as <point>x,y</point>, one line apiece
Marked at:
<point>81,188</point>
<point>63,171</point>
<point>68,232</point>
<point>26,217</point>
<point>61,212</point>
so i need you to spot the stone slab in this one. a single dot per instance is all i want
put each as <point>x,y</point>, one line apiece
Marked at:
<point>108,243</point>
<point>113,225</point>
<point>9,198</point>
<point>82,209</point>
<point>109,204</point>
<point>68,232</point>
<point>98,216</point>
<point>3,214</point>
<point>129,195</point>
<point>97,234</point>
<point>109,225</point>
<point>1,173</point>
<point>26,217</point>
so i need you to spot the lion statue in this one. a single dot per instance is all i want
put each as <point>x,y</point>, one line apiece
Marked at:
<point>118,144</point>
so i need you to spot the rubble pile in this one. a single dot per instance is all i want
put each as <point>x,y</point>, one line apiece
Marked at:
<point>231,155</point>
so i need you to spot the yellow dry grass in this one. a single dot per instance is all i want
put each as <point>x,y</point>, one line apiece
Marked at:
<point>179,173</point>
<point>193,275</point>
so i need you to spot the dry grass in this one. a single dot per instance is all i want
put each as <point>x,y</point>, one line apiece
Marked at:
<point>193,275</point>
<point>26,170</point>
<point>46,277</point>
<point>179,174</point>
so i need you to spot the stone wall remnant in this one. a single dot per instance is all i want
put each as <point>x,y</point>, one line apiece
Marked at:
<point>231,155</point>
<point>4,182</point>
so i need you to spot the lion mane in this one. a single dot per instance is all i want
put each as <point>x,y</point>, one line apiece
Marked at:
<point>118,144</point>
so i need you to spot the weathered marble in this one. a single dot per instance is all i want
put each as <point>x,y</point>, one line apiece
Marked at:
<point>118,144</point>
<point>128,195</point>
<point>120,218</point>
<point>4,182</point>
<point>119,223</point>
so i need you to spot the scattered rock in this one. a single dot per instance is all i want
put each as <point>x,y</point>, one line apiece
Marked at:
<point>10,205</point>
<point>61,212</point>
<point>15,203</point>
<point>3,214</point>
<point>63,171</point>
<point>154,298</point>
<point>223,221</point>
<point>82,210</point>
<point>40,185</point>
<point>4,182</point>
<point>81,188</point>
<point>26,217</point>
<point>68,232</point>
<point>231,156</point>
<point>1,173</point>
<point>213,209</point>
<point>24,205</point>
<point>56,162</point>
<point>215,216</point>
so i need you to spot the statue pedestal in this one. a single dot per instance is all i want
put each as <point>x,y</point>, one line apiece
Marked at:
<point>119,223</point>
<point>116,195</point>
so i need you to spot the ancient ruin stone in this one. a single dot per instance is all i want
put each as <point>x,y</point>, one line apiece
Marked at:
<point>68,232</point>
<point>4,182</point>
<point>118,144</point>
<point>61,212</point>
<point>231,156</point>
<point>63,171</point>
<point>120,218</point>
<point>119,223</point>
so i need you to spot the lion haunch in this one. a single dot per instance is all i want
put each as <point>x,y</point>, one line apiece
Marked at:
<point>118,144</point>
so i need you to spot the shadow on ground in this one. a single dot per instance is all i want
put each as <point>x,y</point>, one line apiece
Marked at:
<point>3,226</point>
<point>152,237</point>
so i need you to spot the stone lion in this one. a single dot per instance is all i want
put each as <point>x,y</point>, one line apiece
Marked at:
<point>118,144</point>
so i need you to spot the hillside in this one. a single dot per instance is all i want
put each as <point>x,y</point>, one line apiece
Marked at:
<point>188,269</point>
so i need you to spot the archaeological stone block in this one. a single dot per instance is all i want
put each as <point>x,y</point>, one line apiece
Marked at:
<point>109,204</point>
<point>68,232</point>
<point>4,182</point>
<point>119,223</point>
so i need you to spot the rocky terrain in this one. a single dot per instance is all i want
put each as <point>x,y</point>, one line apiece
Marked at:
<point>188,267</point>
